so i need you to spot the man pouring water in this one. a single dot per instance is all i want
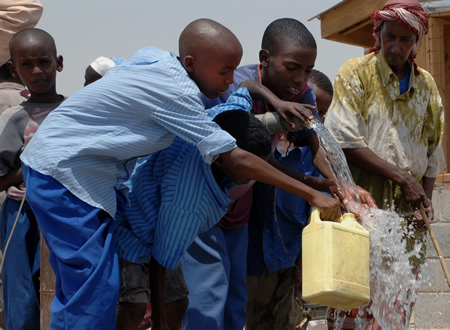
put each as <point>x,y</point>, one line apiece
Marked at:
<point>388,117</point>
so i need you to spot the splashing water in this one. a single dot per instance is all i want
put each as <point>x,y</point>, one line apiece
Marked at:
<point>336,159</point>
<point>393,281</point>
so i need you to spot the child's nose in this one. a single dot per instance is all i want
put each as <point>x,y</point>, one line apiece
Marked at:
<point>300,78</point>
<point>37,70</point>
<point>230,79</point>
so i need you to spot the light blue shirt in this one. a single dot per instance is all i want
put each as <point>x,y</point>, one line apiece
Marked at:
<point>90,143</point>
<point>173,196</point>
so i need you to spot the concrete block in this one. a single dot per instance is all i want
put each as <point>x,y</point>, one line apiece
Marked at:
<point>433,278</point>
<point>432,311</point>
<point>441,205</point>
<point>442,233</point>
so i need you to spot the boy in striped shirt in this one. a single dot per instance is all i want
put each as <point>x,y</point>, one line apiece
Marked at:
<point>174,195</point>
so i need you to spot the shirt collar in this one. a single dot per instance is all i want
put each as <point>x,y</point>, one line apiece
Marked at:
<point>386,71</point>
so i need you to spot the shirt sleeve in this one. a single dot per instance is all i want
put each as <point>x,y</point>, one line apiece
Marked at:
<point>12,127</point>
<point>185,116</point>
<point>175,232</point>
<point>16,15</point>
<point>239,100</point>
<point>182,192</point>
<point>344,120</point>
<point>434,132</point>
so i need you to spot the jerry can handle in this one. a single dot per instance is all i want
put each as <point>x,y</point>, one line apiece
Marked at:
<point>315,216</point>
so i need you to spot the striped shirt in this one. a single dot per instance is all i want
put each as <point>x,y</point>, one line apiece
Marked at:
<point>173,196</point>
<point>91,142</point>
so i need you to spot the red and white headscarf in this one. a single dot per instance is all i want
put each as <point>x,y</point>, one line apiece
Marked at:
<point>409,13</point>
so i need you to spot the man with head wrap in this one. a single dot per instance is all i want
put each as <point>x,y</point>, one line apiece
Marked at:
<point>388,117</point>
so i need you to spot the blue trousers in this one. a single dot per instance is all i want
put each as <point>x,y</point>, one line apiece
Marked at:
<point>215,269</point>
<point>82,255</point>
<point>20,274</point>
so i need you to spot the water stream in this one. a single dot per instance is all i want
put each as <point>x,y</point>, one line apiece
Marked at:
<point>393,282</point>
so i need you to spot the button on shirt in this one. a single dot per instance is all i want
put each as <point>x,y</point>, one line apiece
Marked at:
<point>90,143</point>
<point>368,110</point>
<point>173,196</point>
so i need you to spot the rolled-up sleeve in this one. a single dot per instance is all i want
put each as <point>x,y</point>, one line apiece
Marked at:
<point>434,133</point>
<point>191,123</point>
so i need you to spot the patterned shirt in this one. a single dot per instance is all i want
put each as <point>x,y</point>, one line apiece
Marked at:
<point>90,144</point>
<point>173,196</point>
<point>13,123</point>
<point>368,111</point>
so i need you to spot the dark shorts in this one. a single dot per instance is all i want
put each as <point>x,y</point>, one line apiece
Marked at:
<point>135,288</point>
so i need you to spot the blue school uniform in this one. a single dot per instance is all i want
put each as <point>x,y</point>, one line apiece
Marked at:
<point>84,151</point>
<point>220,254</point>
<point>173,196</point>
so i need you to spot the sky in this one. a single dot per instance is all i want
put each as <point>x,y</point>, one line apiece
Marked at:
<point>86,29</point>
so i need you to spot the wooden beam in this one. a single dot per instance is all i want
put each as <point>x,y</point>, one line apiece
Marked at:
<point>347,14</point>
<point>47,277</point>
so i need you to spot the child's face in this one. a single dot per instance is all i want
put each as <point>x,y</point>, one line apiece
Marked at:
<point>323,101</point>
<point>213,71</point>
<point>36,64</point>
<point>287,71</point>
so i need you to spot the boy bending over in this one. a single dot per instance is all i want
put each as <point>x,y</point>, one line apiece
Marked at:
<point>174,195</point>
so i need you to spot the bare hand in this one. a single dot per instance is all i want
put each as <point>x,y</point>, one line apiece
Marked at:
<point>418,220</point>
<point>302,112</point>
<point>413,192</point>
<point>429,210</point>
<point>329,207</point>
<point>350,202</point>
<point>366,198</point>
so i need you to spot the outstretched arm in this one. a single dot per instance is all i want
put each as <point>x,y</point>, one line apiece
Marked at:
<point>366,159</point>
<point>316,183</point>
<point>253,167</point>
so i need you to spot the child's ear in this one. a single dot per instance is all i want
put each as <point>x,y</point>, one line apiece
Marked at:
<point>189,63</point>
<point>264,57</point>
<point>59,61</point>
<point>12,70</point>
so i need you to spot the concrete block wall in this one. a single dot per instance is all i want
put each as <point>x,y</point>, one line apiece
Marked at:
<point>432,310</point>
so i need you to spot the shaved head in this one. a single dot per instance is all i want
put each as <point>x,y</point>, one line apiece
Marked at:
<point>209,52</point>
<point>205,34</point>
<point>32,36</point>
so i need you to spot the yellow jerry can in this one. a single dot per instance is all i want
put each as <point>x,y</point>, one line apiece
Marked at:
<point>335,262</point>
